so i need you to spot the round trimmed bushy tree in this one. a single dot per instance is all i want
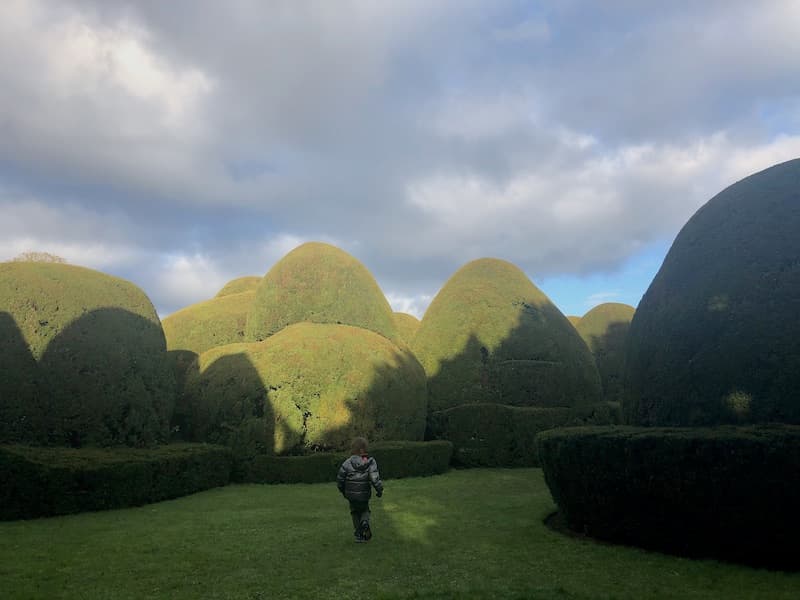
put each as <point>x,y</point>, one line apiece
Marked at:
<point>319,283</point>
<point>715,337</point>
<point>605,331</point>
<point>407,326</point>
<point>96,350</point>
<point>216,322</point>
<point>239,285</point>
<point>574,320</point>
<point>309,386</point>
<point>490,335</point>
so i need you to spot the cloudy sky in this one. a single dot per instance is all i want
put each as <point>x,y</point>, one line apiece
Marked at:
<point>181,144</point>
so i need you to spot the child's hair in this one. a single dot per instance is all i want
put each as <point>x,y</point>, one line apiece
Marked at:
<point>358,445</point>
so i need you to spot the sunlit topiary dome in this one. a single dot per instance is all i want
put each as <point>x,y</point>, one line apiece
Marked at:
<point>490,335</point>
<point>319,283</point>
<point>407,326</point>
<point>210,323</point>
<point>605,331</point>
<point>715,337</point>
<point>98,352</point>
<point>239,285</point>
<point>308,386</point>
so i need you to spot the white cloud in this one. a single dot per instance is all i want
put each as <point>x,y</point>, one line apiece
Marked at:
<point>415,135</point>
<point>185,279</point>
<point>413,305</point>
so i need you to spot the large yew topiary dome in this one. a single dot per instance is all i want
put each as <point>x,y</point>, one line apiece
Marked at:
<point>605,331</point>
<point>319,283</point>
<point>210,323</point>
<point>95,346</point>
<point>239,285</point>
<point>715,337</point>
<point>309,386</point>
<point>407,326</point>
<point>490,335</point>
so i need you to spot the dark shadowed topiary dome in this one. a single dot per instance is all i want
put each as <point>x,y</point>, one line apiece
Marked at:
<point>239,285</point>
<point>208,324</point>
<point>715,337</point>
<point>490,335</point>
<point>406,325</point>
<point>605,331</point>
<point>309,386</point>
<point>322,284</point>
<point>98,352</point>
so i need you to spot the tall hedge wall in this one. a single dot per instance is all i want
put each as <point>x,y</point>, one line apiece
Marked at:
<point>496,435</point>
<point>605,331</point>
<point>725,492</point>
<point>395,460</point>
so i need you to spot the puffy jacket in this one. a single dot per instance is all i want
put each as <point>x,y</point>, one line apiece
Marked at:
<point>357,476</point>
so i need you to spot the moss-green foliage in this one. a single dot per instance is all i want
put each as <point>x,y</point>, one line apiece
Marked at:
<point>406,326</point>
<point>574,320</point>
<point>180,361</point>
<point>209,324</point>
<point>605,331</point>
<point>715,337</point>
<point>491,336</point>
<point>496,435</point>
<point>728,492</point>
<point>239,285</point>
<point>319,283</point>
<point>39,482</point>
<point>395,459</point>
<point>309,386</point>
<point>83,359</point>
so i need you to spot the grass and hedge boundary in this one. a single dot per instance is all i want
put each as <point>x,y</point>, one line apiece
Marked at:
<point>497,435</point>
<point>42,481</point>
<point>724,492</point>
<point>395,460</point>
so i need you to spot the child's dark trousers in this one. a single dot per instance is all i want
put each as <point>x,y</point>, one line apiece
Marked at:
<point>359,511</point>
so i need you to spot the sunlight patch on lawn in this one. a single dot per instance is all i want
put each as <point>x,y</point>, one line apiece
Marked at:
<point>409,524</point>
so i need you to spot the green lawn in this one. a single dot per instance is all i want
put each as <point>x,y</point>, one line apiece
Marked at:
<point>473,533</point>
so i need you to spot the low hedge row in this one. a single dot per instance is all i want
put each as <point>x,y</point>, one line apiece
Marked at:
<point>497,435</point>
<point>395,460</point>
<point>39,482</point>
<point>726,492</point>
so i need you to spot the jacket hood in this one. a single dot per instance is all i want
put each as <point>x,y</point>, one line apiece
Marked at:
<point>359,464</point>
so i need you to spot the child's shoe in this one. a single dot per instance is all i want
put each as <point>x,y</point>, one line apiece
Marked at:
<point>365,531</point>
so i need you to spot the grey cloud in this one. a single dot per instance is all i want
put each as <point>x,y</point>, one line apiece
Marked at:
<point>319,121</point>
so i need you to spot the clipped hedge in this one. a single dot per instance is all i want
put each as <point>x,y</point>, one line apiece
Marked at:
<point>395,460</point>
<point>496,435</point>
<point>726,492</point>
<point>41,482</point>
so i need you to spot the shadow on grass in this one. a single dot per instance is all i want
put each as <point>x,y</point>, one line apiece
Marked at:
<point>738,554</point>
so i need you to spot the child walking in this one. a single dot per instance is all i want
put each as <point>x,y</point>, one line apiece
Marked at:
<point>357,476</point>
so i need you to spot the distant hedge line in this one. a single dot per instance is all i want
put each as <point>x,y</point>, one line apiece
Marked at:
<point>39,482</point>
<point>726,492</point>
<point>497,435</point>
<point>395,460</point>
